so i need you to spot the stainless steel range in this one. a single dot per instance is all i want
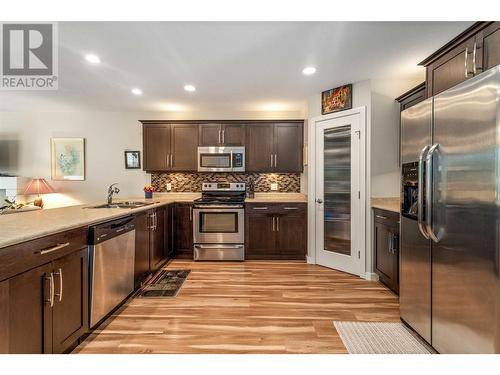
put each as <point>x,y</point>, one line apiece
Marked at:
<point>219,222</point>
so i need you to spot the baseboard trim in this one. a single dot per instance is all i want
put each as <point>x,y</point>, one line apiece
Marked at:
<point>310,260</point>
<point>371,276</point>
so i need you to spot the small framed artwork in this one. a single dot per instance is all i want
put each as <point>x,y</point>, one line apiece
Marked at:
<point>68,159</point>
<point>132,159</point>
<point>337,99</point>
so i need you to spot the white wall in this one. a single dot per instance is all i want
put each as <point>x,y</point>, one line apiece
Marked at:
<point>25,147</point>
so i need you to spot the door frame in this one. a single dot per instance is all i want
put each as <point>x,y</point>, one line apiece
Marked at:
<point>311,184</point>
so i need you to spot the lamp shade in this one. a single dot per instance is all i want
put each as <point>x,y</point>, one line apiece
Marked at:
<point>38,186</point>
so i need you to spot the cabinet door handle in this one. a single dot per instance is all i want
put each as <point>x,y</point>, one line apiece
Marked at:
<point>60,294</point>
<point>381,217</point>
<point>389,242</point>
<point>219,136</point>
<point>260,208</point>
<point>224,136</point>
<point>275,160</point>
<point>191,213</point>
<point>273,224</point>
<point>290,208</point>
<point>53,248</point>
<point>271,160</point>
<point>277,223</point>
<point>51,286</point>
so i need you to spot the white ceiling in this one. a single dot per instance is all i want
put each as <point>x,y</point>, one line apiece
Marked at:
<point>243,66</point>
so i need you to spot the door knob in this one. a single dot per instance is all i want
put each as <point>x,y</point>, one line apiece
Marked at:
<point>319,201</point>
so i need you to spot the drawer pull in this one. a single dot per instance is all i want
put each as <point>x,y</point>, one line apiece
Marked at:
<point>290,208</point>
<point>381,217</point>
<point>53,248</point>
<point>260,208</point>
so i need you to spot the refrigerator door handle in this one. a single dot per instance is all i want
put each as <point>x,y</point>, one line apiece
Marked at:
<point>429,166</point>
<point>420,197</point>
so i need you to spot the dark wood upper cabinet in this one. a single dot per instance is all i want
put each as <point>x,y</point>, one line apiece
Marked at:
<point>170,147</point>
<point>288,146</point>
<point>259,147</point>
<point>156,147</point>
<point>70,312</point>
<point>475,50</point>
<point>275,147</point>
<point>271,146</point>
<point>184,147</point>
<point>488,45</point>
<point>210,134</point>
<point>412,97</point>
<point>233,134</point>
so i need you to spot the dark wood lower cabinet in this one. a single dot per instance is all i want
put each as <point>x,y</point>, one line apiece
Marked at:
<point>292,235</point>
<point>158,253</point>
<point>386,242</point>
<point>45,309</point>
<point>276,231</point>
<point>24,313</point>
<point>183,232</point>
<point>142,270</point>
<point>70,311</point>
<point>260,241</point>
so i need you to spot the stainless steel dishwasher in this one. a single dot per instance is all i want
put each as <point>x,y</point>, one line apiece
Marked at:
<point>112,256</point>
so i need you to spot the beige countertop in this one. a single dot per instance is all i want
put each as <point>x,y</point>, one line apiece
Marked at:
<point>25,226</point>
<point>278,197</point>
<point>389,204</point>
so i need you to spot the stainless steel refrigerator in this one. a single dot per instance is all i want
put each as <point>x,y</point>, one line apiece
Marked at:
<point>450,217</point>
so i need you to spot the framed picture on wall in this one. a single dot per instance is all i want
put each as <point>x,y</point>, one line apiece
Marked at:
<point>132,159</point>
<point>68,159</point>
<point>337,99</point>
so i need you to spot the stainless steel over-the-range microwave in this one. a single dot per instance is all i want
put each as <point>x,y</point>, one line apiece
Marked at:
<point>221,159</point>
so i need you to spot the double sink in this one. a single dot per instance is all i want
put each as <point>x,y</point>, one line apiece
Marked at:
<point>123,205</point>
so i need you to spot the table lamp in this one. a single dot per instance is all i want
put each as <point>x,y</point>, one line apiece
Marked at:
<point>38,186</point>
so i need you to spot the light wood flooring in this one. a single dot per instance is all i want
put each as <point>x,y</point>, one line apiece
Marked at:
<point>250,307</point>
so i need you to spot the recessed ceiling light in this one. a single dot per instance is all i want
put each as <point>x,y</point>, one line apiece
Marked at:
<point>136,91</point>
<point>94,59</point>
<point>189,88</point>
<point>309,70</point>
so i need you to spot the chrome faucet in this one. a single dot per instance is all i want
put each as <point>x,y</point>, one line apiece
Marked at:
<point>112,189</point>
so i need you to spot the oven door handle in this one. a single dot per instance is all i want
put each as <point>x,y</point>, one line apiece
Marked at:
<point>219,208</point>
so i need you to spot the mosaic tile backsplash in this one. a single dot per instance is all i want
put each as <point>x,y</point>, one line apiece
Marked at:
<point>191,182</point>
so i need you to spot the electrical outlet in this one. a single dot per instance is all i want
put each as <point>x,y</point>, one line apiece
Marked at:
<point>274,187</point>
<point>169,186</point>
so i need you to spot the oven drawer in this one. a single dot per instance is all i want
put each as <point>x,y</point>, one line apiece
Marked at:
<point>219,252</point>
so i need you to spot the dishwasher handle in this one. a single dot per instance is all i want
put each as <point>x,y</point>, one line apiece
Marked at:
<point>106,231</point>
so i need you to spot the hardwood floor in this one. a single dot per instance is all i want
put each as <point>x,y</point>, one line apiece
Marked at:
<point>250,307</point>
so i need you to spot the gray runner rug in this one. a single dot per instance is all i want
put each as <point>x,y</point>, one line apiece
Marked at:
<point>380,338</point>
